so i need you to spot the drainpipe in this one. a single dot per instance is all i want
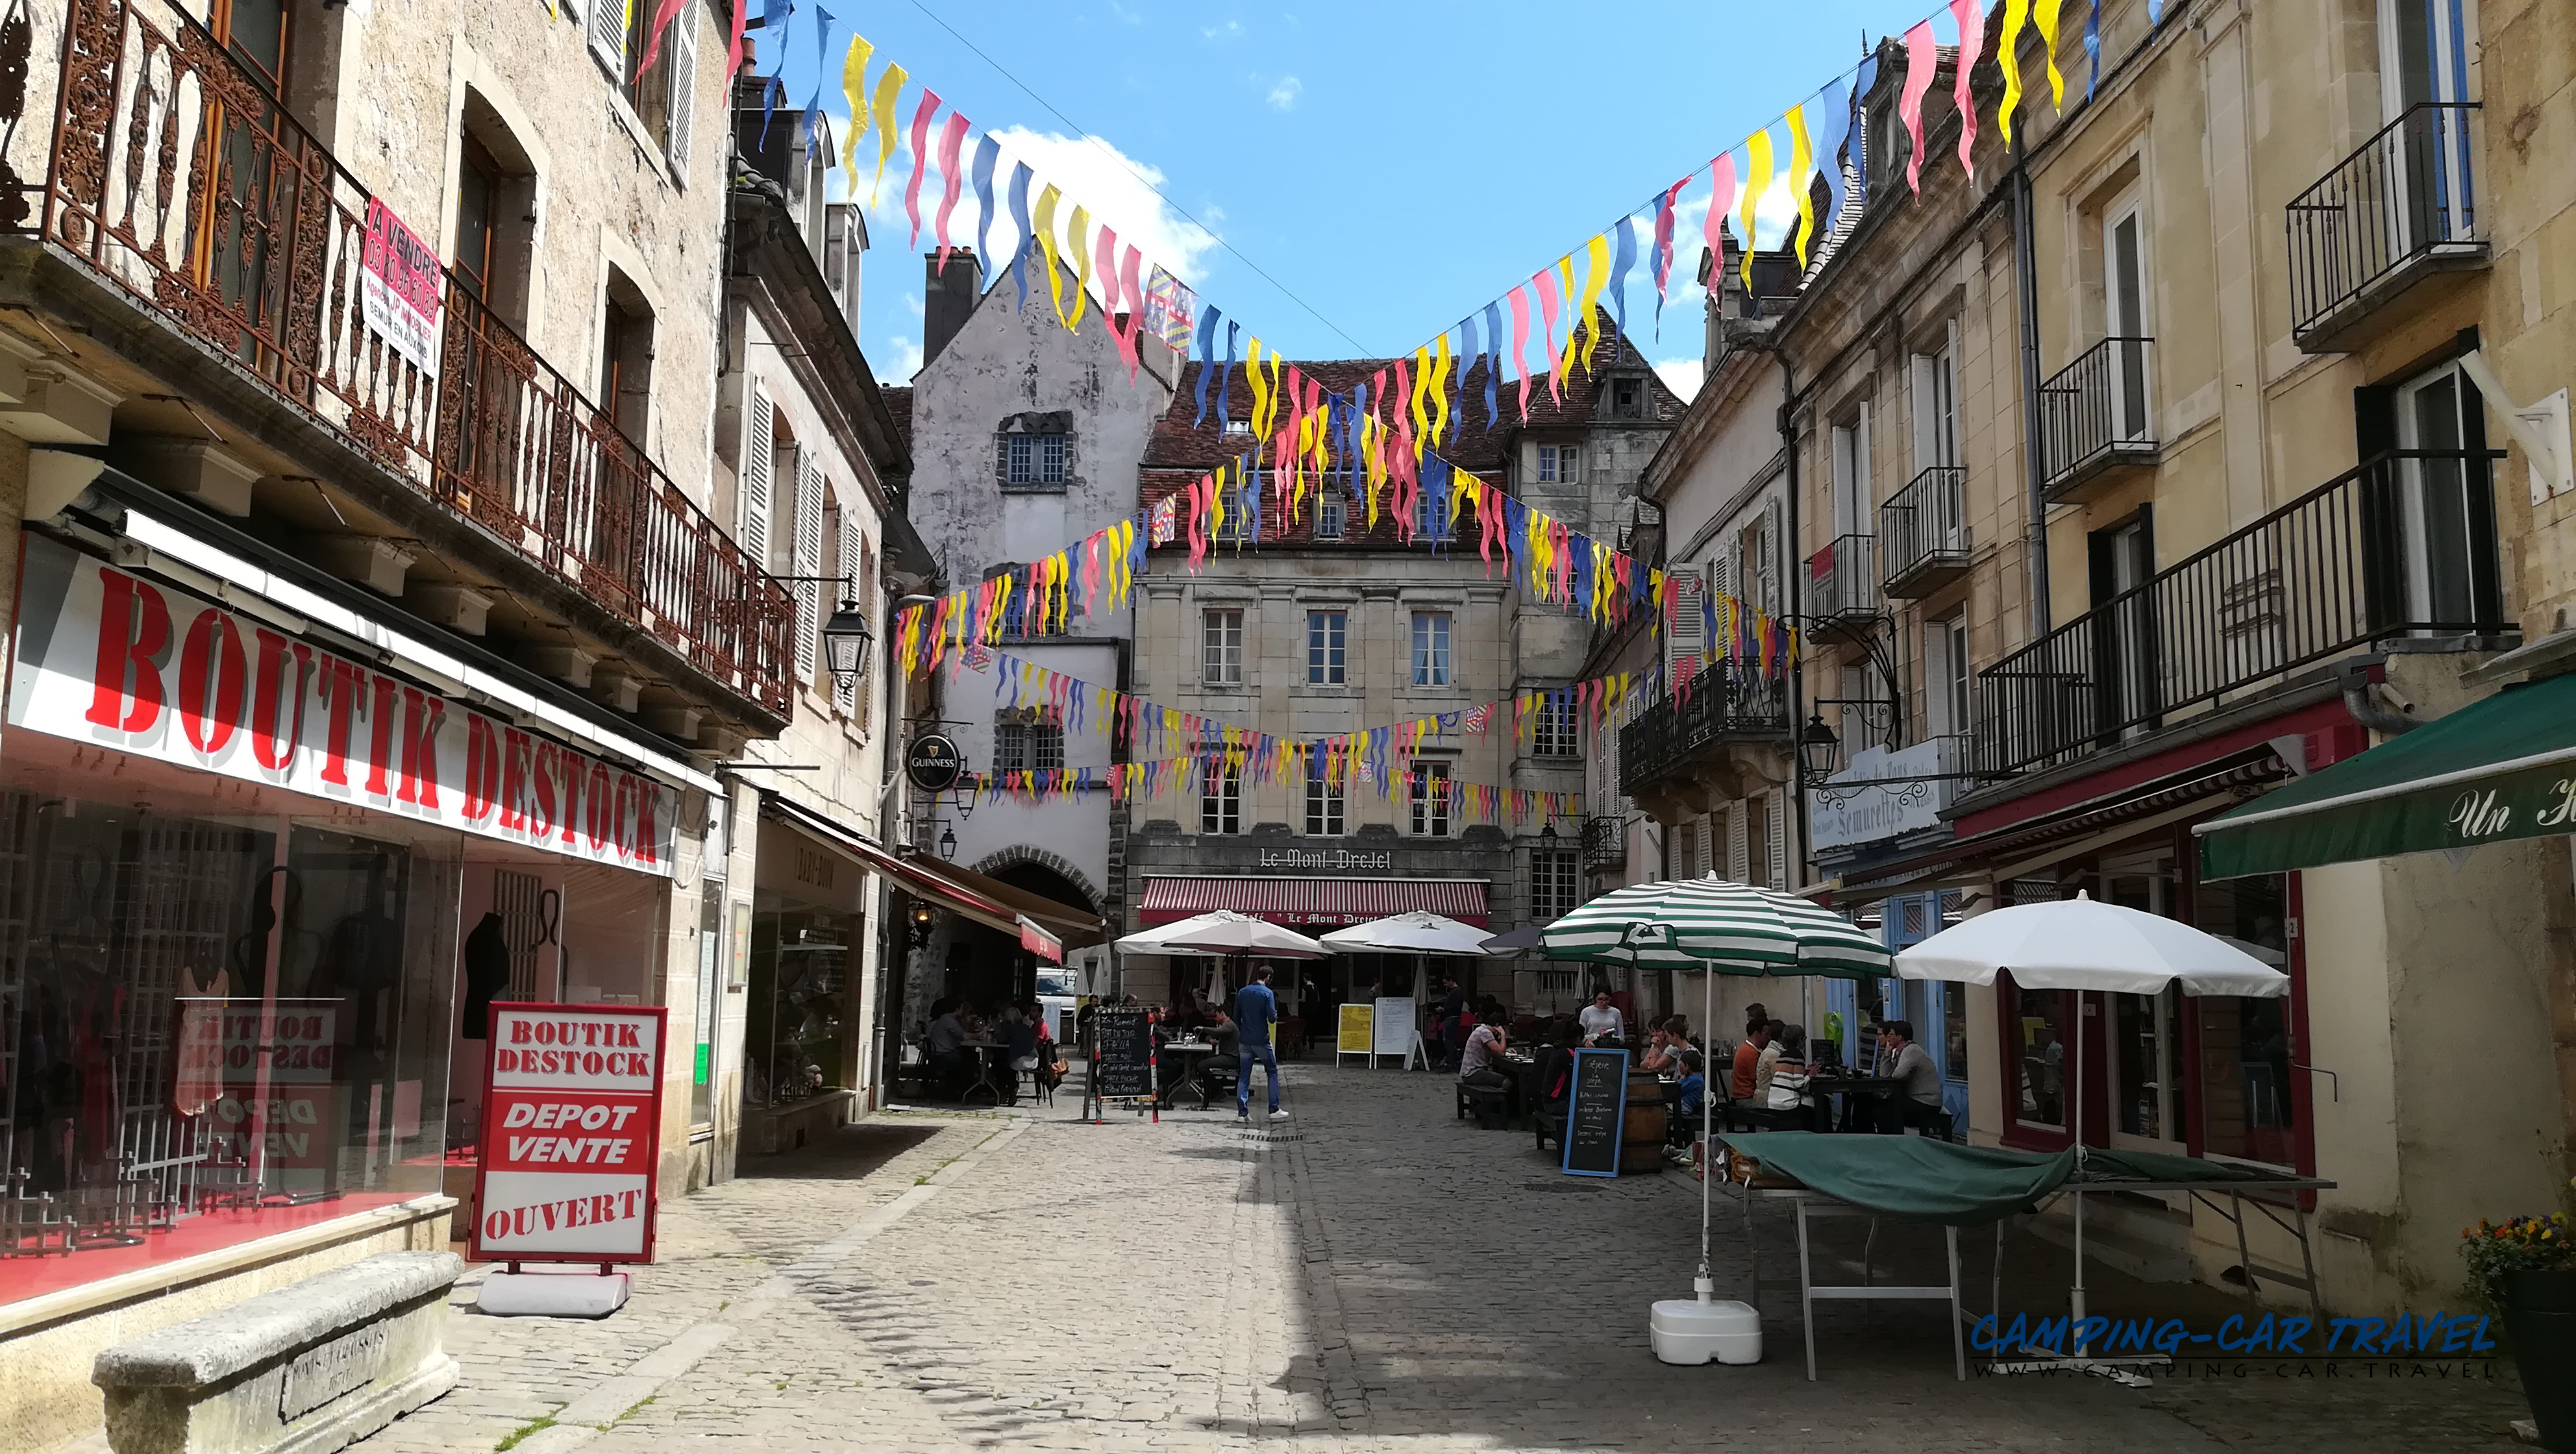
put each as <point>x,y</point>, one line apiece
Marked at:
<point>1789,569</point>
<point>2026,269</point>
<point>2357,675</point>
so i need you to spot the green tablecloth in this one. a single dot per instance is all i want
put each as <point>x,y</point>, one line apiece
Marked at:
<point>1913,1177</point>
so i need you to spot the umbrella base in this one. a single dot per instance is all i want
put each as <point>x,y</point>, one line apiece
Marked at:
<point>1687,1331</point>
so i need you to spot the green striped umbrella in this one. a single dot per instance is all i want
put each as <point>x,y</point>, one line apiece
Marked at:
<point>1713,924</point>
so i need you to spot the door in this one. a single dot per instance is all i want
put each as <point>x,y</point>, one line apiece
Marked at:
<point>2442,514</point>
<point>2124,642</point>
<point>2124,308</point>
<point>2140,1079</point>
<point>2424,83</point>
<point>248,213</point>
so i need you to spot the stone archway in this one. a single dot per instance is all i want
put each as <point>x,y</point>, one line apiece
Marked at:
<point>998,865</point>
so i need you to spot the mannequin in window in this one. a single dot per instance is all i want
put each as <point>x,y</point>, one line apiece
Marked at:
<point>364,957</point>
<point>487,973</point>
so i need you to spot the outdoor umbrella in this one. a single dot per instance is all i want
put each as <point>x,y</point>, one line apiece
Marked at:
<point>1528,936</point>
<point>1715,927</point>
<point>1158,940</point>
<point>1415,931</point>
<point>1242,934</point>
<point>2082,944</point>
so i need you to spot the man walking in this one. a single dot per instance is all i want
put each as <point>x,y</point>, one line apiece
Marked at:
<point>1256,1010</point>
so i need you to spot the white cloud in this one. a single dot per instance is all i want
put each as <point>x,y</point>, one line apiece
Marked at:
<point>906,353</point>
<point>1124,15</point>
<point>1681,375</point>
<point>1230,30</point>
<point>1283,95</point>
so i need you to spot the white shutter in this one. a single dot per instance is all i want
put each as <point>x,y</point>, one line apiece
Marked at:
<point>1706,861</point>
<point>846,692</point>
<point>1767,592</point>
<point>757,445</point>
<point>680,53</point>
<point>1685,624</point>
<point>1775,828</point>
<point>808,561</point>
<point>1921,402</point>
<point>608,35</point>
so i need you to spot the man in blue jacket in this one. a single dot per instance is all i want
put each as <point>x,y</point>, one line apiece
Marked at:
<point>1256,1010</point>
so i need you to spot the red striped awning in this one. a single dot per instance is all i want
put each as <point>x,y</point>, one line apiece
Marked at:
<point>1323,903</point>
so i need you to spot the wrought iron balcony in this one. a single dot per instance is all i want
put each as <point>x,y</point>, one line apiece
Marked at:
<point>177,177</point>
<point>1722,705</point>
<point>2397,211</point>
<point>1605,845</point>
<point>1923,533</point>
<point>1842,578</point>
<point>2095,420</point>
<point>2404,545</point>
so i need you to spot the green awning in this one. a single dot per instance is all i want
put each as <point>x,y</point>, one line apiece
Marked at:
<point>2498,769</point>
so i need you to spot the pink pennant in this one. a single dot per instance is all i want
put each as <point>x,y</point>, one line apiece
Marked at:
<point>1971,15</point>
<point>952,178</point>
<point>1520,346</point>
<point>1135,295</point>
<point>1104,266</point>
<point>1721,200</point>
<point>921,115</point>
<point>1547,305</point>
<point>1664,238</point>
<point>1922,57</point>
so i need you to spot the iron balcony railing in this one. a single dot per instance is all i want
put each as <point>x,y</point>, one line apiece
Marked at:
<point>1722,704</point>
<point>1605,845</point>
<point>2095,410</point>
<point>2407,193</point>
<point>2404,545</point>
<point>1925,525</point>
<point>177,176</point>
<point>1842,578</point>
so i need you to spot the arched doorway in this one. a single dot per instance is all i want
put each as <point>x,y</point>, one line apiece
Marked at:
<point>987,966</point>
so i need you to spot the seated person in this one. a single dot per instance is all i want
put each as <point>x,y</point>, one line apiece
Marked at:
<point>1020,1045</point>
<point>1218,1069</point>
<point>950,1066</point>
<point>1660,1048</point>
<point>1783,1071</point>
<point>1476,1058</point>
<point>1556,1074</point>
<point>1918,1100</point>
<point>1748,1056</point>
<point>1692,1089</point>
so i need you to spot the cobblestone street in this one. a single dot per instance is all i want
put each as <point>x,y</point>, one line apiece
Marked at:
<point>1371,1274</point>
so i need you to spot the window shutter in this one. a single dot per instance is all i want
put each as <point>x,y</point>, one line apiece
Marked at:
<point>847,692</point>
<point>1774,828</point>
<point>1685,623</point>
<point>680,53</point>
<point>808,561</point>
<point>1768,588</point>
<point>757,449</point>
<point>608,35</point>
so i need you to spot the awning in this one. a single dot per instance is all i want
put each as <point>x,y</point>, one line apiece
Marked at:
<point>1331,903</point>
<point>987,902</point>
<point>2495,770</point>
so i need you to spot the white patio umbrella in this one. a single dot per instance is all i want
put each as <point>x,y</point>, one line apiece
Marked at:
<point>1415,931</point>
<point>1713,926</point>
<point>1157,940</point>
<point>1242,934</point>
<point>2082,944</point>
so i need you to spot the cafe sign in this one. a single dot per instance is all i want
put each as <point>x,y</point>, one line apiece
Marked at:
<point>1861,804</point>
<point>1324,860</point>
<point>115,661</point>
<point>933,762</point>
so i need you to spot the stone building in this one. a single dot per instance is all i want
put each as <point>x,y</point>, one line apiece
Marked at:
<point>1025,437</point>
<point>1332,624</point>
<point>393,619</point>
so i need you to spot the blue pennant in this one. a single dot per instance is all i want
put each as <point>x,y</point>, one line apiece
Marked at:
<point>1207,358</point>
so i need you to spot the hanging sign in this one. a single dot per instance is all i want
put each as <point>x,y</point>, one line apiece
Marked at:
<point>116,661</point>
<point>933,763</point>
<point>398,282</point>
<point>1596,1113</point>
<point>572,1118</point>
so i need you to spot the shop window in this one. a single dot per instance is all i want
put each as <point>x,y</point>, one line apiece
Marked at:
<point>2251,1097</point>
<point>794,1037</point>
<point>2035,1030</point>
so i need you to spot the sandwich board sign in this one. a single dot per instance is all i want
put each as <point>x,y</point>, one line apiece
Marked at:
<point>1596,1113</point>
<point>572,1118</point>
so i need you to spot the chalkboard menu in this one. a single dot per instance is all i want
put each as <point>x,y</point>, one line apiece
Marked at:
<point>1126,1045</point>
<point>1598,1113</point>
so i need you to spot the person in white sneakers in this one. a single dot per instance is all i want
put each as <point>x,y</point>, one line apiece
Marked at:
<point>1256,1011</point>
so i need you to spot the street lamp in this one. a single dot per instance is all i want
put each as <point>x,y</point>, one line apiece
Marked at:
<point>1547,833</point>
<point>1818,747</point>
<point>948,843</point>
<point>845,642</point>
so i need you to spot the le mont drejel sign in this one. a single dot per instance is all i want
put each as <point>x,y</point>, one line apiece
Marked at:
<point>132,665</point>
<point>572,1115</point>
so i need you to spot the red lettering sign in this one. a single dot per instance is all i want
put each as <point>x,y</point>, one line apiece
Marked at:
<point>572,1112</point>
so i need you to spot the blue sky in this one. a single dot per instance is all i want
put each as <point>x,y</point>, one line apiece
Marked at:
<point>1390,165</point>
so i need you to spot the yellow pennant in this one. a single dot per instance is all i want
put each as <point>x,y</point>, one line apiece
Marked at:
<point>2008,52</point>
<point>854,75</point>
<point>1045,227</point>
<point>1757,180</point>
<point>1076,234</point>
<point>1440,400</point>
<point>1420,382</point>
<point>1802,160</point>
<point>1596,275</point>
<point>2044,12</point>
<point>1260,396</point>
<point>1565,290</point>
<point>889,86</point>
<point>1216,502</point>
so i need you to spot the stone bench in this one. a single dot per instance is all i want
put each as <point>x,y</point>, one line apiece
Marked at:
<point>302,1370</point>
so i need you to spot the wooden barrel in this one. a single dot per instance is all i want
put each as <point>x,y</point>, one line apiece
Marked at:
<point>1641,1136</point>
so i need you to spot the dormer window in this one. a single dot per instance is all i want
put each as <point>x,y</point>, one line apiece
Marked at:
<point>1627,398</point>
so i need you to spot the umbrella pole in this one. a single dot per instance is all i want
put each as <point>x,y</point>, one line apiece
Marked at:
<point>2077,1128</point>
<point>1707,1122</point>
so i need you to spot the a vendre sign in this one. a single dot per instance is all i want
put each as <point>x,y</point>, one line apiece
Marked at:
<point>572,1115</point>
<point>116,661</point>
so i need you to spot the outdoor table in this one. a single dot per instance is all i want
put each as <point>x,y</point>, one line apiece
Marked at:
<point>1864,1090</point>
<point>989,1059</point>
<point>1189,1054</point>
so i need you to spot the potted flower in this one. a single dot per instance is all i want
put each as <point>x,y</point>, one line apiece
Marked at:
<point>2526,1270</point>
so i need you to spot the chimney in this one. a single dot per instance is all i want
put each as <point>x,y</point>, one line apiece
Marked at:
<point>947,298</point>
